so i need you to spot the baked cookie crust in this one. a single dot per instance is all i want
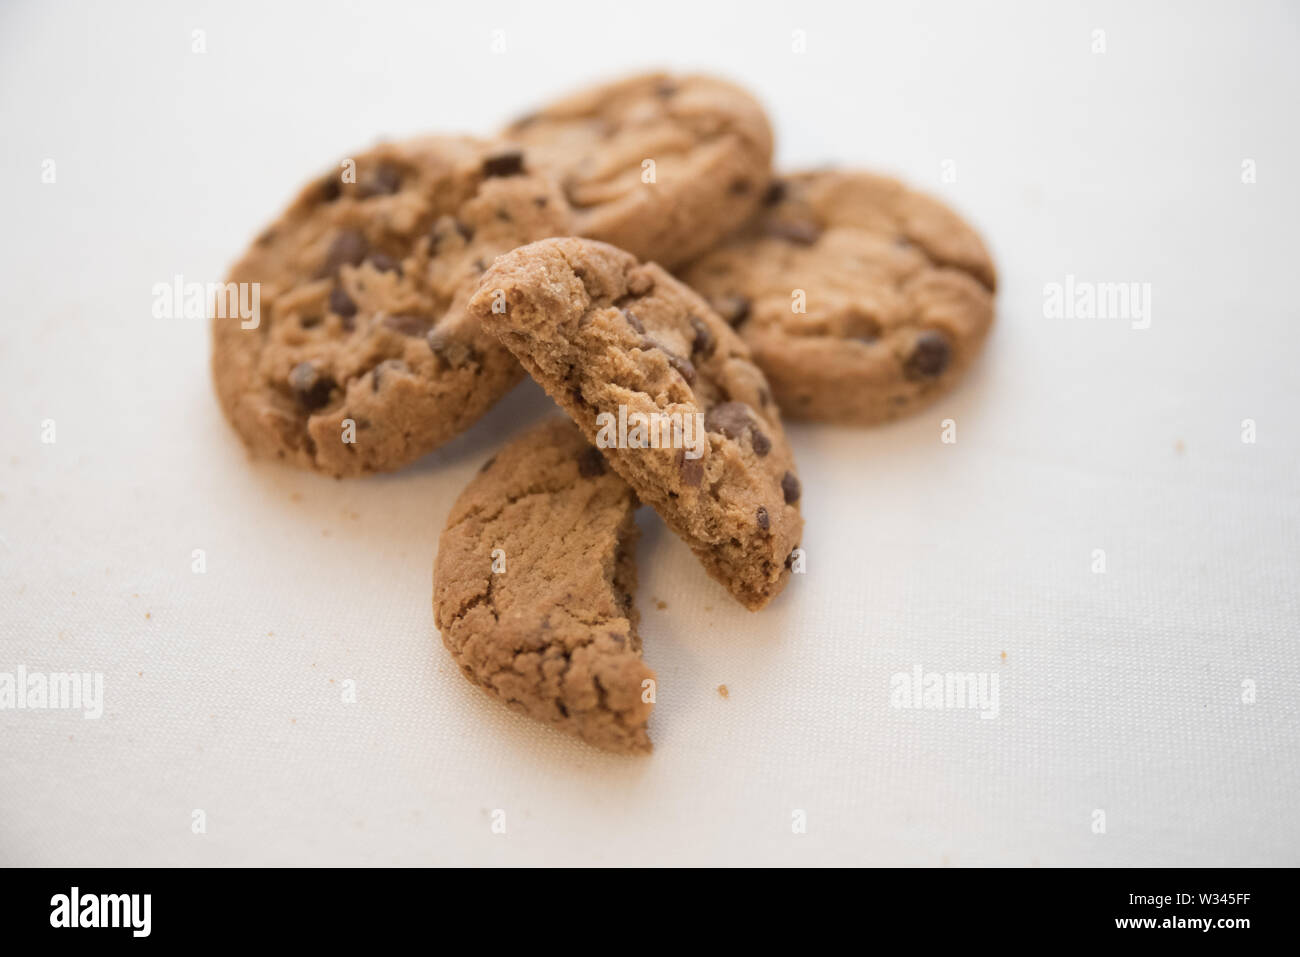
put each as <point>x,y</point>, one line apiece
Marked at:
<point>704,144</point>
<point>364,358</point>
<point>861,299</point>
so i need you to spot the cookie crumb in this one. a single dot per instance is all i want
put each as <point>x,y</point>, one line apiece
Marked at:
<point>660,604</point>
<point>722,690</point>
<point>1179,446</point>
<point>1004,656</point>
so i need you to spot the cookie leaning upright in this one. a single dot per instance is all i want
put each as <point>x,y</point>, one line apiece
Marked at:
<point>662,166</point>
<point>897,295</point>
<point>533,588</point>
<point>363,357</point>
<point>612,339</point>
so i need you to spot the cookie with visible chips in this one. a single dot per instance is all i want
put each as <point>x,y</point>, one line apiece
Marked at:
<point>662,166</point>
<point>861,299</point>
<point>618,343</point>
<point>550,631</point>
<point>363,357</point>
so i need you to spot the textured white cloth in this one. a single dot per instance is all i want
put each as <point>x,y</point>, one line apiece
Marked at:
<point>1119,692</point>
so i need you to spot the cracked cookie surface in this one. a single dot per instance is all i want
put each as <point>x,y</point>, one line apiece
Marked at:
<point>363,286</point>
<point>599,331</point>
<point>553,632</point>
<point>898,295</point>
<point>709,142</point>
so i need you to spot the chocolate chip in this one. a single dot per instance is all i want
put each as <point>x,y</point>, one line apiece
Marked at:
<point>330,189</point>
<point>762,444</point>
<point>504,163</point>
<point>341,303</point>
<point>738,187</point>
<point>504,215</point>
<point>309,322</point>
<point>383,182</point>
<point>348,249</point>
<point>692,471</point>
<point>384,262</point>
<point>729,418</point>
<point>704,342</point>
<point>408,325</point>
<point>684,367</point>
<point>930,356</point>
<point>775,193</point>
<point>800,233</point>
<point>310,386</point>
<point>591,463</point>
<point>735,309</point>
<point>790,488</point>
<point>633,321</point>
<point>465,229</point>
<point>388,365</point>
<point>763,521</point>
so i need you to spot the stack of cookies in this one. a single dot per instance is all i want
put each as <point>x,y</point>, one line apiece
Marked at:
<point>631,249</point>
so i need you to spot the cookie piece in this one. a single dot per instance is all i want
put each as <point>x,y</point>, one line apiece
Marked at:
<point>899,295</point>
<point>612,339</point>
<point>534,584</point>
<point>662,166</point>
<point>363,358</point>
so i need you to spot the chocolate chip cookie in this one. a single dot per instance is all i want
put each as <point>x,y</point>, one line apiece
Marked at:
<point>861,299</point>
<point>662,166</point>
<point>617,342</point>
<point>534,583</point>
<point>363,357</point>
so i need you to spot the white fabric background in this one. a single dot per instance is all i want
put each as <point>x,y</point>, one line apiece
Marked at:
<point>1119,692</point>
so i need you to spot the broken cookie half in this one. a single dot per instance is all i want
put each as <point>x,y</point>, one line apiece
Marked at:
<point>534,584</point>
<point>667,390</point>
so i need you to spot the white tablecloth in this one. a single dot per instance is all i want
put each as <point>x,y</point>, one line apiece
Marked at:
<point>1123,733</point>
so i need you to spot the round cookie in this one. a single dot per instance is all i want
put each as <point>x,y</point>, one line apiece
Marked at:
<point>363,358</point>
<point>668,392</point>
<point>897,293</point>
<point>662,166</point>
<point>534,584</point>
